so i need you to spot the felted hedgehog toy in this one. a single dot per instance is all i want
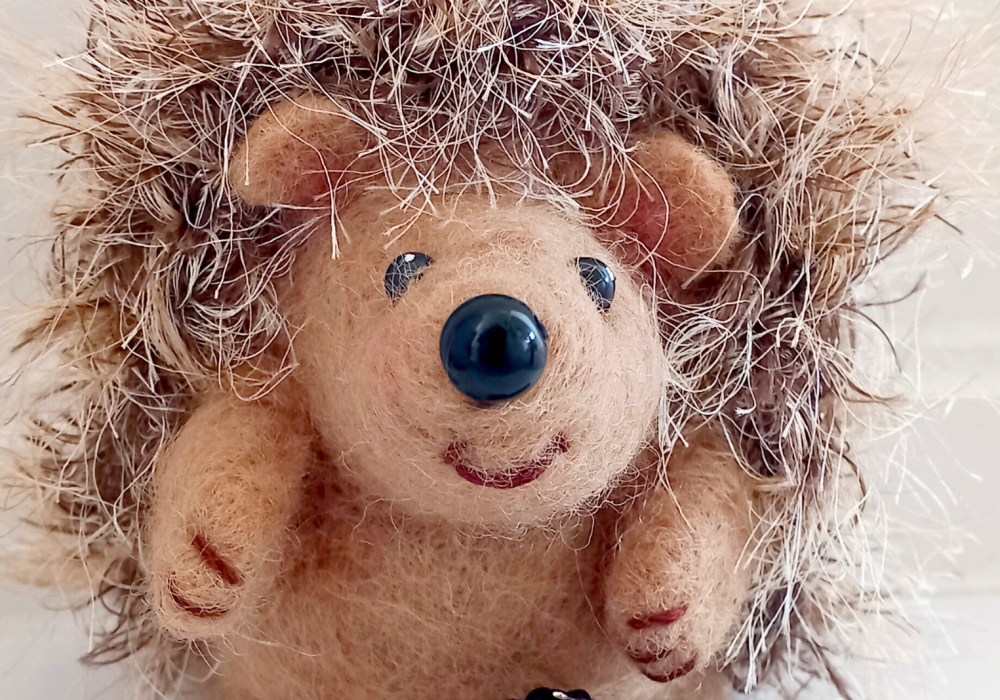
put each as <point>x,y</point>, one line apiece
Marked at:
<point>448,349</point>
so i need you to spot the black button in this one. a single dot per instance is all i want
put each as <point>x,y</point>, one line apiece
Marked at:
<point>493,348</point>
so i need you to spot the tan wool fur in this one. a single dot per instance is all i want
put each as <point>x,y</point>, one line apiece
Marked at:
<point>367,565</point>
<point>225,503</point>
<point>253,457</point>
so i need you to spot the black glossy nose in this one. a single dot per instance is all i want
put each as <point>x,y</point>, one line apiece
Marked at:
<point>493,348</point>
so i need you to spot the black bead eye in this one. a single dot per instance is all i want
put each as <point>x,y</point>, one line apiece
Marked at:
<point>403,270</point>
<point>600,281</point>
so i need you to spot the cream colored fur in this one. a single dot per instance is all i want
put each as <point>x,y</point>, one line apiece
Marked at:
<point>321,545</point>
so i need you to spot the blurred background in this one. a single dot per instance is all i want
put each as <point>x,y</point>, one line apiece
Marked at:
<point>938,473</point>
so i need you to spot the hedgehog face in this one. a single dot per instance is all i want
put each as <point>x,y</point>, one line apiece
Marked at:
<point>491,364</point>
<point>483,359</point>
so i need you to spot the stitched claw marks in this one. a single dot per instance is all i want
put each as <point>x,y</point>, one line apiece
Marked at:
<point>216,565</point>
<point>662,617</point>
<point>656,648</point>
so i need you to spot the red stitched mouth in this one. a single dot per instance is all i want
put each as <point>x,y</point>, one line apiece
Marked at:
<point>522,473</point>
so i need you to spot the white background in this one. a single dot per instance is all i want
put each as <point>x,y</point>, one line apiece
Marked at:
<point>948,335</point>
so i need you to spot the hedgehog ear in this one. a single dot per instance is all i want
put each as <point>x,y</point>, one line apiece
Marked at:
<point>299,151</point>
<point>675,208</point>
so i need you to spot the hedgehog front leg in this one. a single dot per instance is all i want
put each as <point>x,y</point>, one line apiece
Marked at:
<point>224,496</point>
<point>677,586</point>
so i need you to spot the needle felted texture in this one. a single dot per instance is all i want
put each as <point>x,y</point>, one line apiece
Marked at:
<point>212,538</point>
<point>684,561</point>
<point>168,279</point>
<point>395,437</point>
<point>376,386</point>
<point>380,601</point>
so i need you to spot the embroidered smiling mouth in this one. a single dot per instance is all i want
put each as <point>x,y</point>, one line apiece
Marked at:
<point>457,456</point>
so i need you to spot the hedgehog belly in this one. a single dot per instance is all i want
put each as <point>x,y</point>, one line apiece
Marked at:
<point>379,605</point>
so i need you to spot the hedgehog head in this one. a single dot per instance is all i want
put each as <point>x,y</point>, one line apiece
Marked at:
<point>479,356</point>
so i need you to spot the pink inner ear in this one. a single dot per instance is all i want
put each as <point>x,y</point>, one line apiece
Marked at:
<point>682,230</point>
<point>299,151</point>
<point>304,176</point>
<point>311,181</point>
<point>645,216</point>
<point>679,209</point>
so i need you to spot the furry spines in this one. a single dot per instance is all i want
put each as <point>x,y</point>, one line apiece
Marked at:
<point>172,279</point>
